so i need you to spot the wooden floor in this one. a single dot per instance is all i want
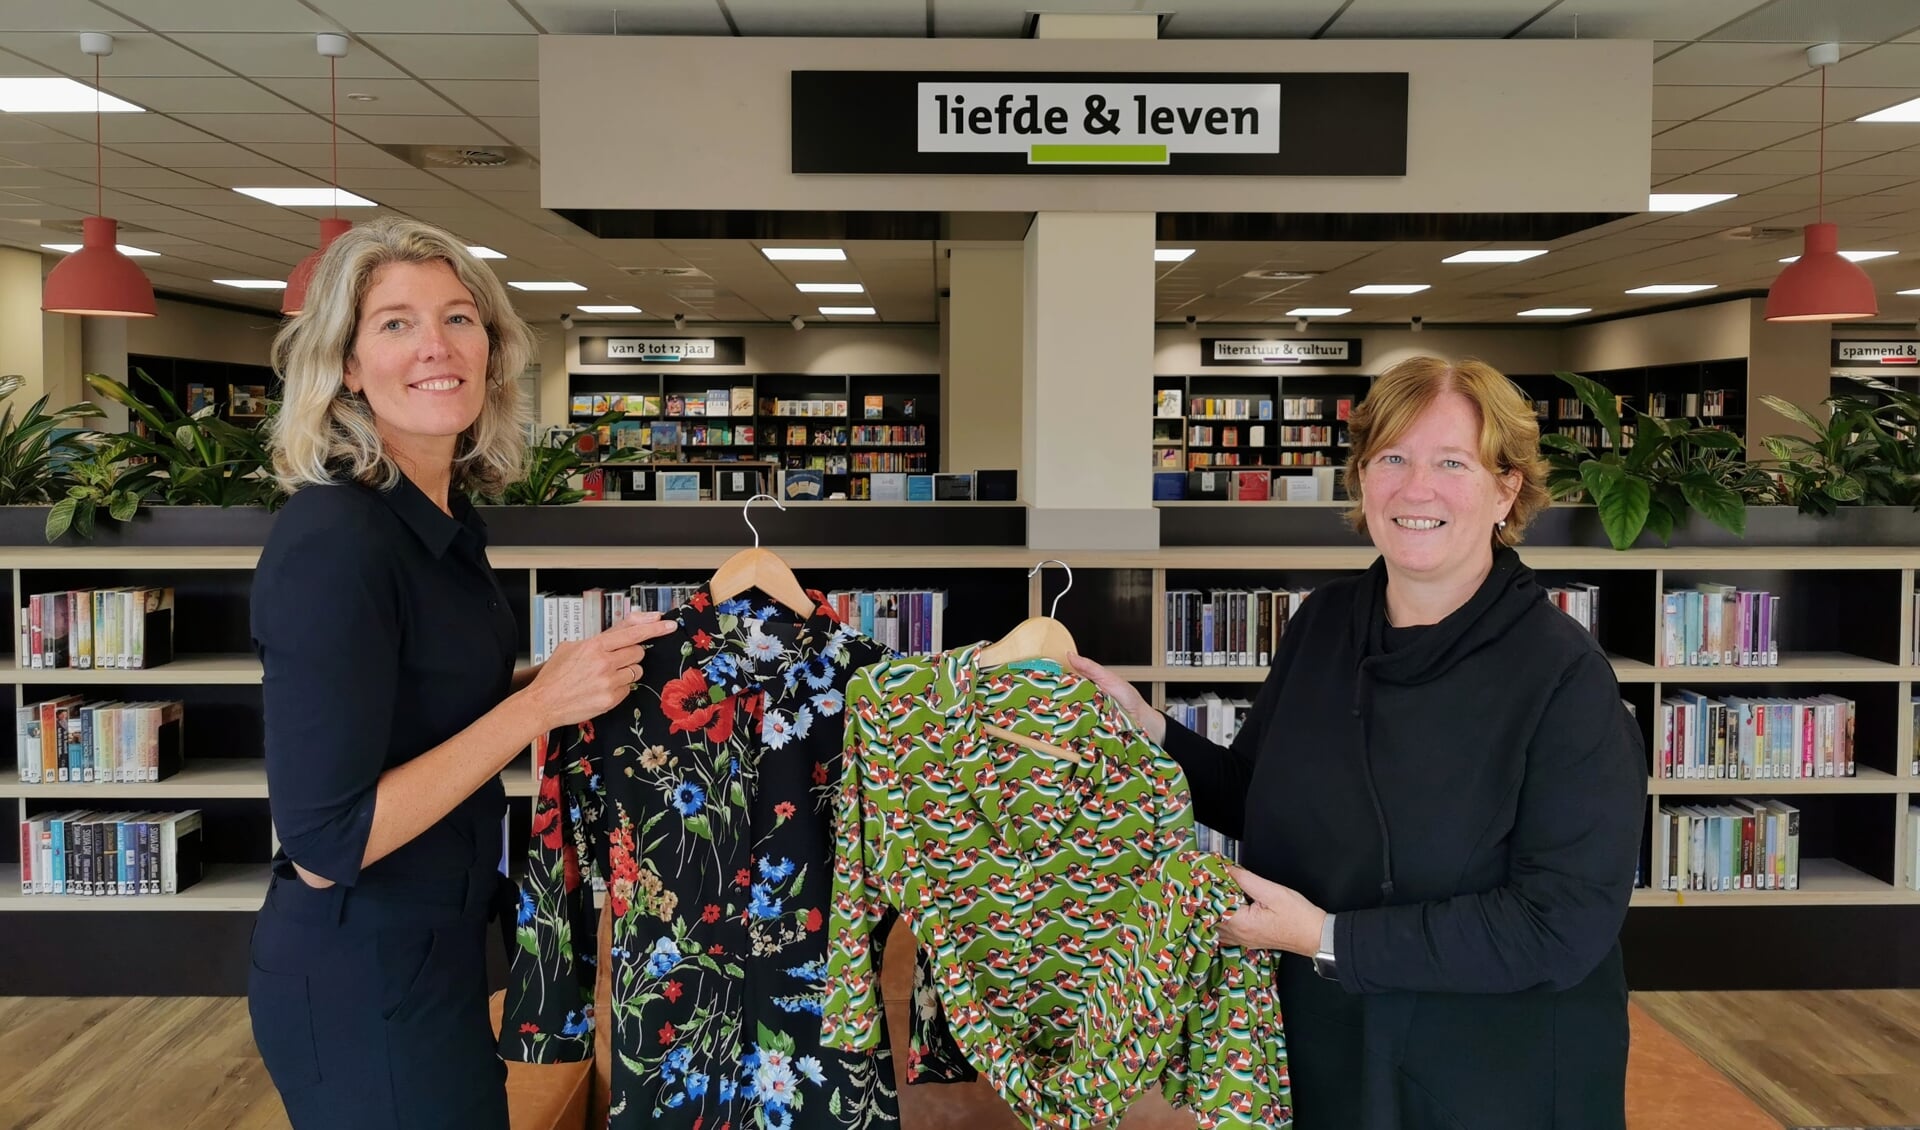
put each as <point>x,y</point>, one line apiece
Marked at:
<point>1808,1059</point>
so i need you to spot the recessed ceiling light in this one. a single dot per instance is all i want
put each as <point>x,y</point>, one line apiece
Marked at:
<point>1389,288</point>
<point>307,197</point>
<point>1172,254</point>
<point>479,252</point>
<point>804,254</point>
<point>546,286</point>
<point>1684,201</point>
<point>609,309</point>
<point>1509,255</point>
<point>1905,112</point>
<point>829,288</point>
<point>1319,311</point>
<point>123,248</point>
<point>847,311</point>
<point>1673,288</point>
<point>58,96</point>
<point>356,97</point>
<point>1852,256</point>
<point>1915,291</point>
<point>1555,311</point>
<point>254,284</point>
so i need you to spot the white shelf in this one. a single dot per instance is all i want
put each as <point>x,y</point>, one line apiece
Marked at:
<point>197,670</point>
<point>1796,667</point>
<point>226,886</point>
<point>1864,780</point>
<point>1625,670</point>
<point>1823,882</point>
<point>212,779</point>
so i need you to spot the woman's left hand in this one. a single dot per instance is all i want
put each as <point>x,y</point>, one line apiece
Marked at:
<point>1280,918</point>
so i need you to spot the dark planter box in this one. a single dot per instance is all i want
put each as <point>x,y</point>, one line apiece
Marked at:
<point>867,523</point>
<point>1775,526</point>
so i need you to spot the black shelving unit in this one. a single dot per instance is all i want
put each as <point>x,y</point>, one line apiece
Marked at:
<point>1709,393</point>
<point>183,377</point>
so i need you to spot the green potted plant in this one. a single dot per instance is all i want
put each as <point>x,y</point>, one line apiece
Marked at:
<point>37,446</point>
<point>547,479</point>
<point>190,458</point>
<point>1863,454</point>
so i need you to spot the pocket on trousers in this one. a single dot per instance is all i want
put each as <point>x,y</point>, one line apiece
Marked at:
<point>282,1017</point>
<point>406,959</point>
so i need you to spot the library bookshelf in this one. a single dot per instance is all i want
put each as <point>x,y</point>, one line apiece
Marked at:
<point>1847,628</point>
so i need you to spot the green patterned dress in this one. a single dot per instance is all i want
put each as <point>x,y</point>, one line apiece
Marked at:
<point>1071,922</point>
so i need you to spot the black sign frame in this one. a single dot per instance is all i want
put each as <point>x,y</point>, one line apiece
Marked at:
<point>1332,124</point>
<point>726,350</point>
<point>1351,361</point>
<point>1841,363</point>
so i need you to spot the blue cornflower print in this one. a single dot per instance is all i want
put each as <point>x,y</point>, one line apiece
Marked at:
<point>776,872</point>
<point>696,1085</point>
<point>679,1058</point>
<point>819,671</point>
<point>764,905</point>
<point>811,971</point>
<point>809,1069</point>
<point>721,668</point>
<point>664,959</point>
<point>802,722</point>
<point>527,910</point>
<point>778,1118</point>
<point>676,1099</point>
<point>688,797</point>
<point>579,1023</point>
<point>593,786</point>
<point>829,704</point>
<point>737,606</point>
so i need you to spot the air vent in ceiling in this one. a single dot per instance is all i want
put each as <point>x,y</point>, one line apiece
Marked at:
<point>459,156</point>
<point>1759,234</point>
<point>1282,276</point>
<point>666,272</point>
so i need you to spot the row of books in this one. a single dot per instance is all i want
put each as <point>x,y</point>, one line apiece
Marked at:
<point>1206,839</point>
<point>1580,600</point>
<point>910,621</point>
<point>89,628</point>
<point>890,435</point>
<point>1206,435</point>
<point>1714,624</point>
<point>1742,845</point>
<point>69,739</point>
<point>1227,627</point>
<point>1211,716</point>
<point>84,852</point>
<point>780,406</point>
<point>1712,402</point>
<point>1913,846</point>
<point>906,620</point>
<point>1755,738</point>
<point>1167,405</point>
<point>1315,407</point>
<point>1319,436</point>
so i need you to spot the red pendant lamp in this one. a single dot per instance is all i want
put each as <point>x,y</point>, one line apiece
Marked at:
<point>294,298</point>
<point>97,280</point>
<point>1821,285</point>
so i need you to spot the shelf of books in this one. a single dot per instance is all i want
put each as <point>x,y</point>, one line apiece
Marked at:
<point>1252,428</point>
<point>861,436</point>
<point>1709,393</point>
<point>1773,690</point>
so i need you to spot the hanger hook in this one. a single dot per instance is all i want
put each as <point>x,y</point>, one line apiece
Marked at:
<point>1054,607</point>
<point>747,517</point>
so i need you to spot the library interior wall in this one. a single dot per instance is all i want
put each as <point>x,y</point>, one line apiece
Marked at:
<point>1523,349</point>
<point>982,410</point>
<point>204,333</point>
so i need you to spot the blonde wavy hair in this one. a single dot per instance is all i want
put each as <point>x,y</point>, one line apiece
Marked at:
<point>1509,433</point>
<point>324,430</point>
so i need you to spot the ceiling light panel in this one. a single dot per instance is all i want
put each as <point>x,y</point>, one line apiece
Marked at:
<point>1172,254</point>
<point>70,248</point>
<point>829,288</point>
<point>1319,311</point>
<point>479,252</point>
<point>58,96</point>
<point>609,309</point>
<point>1514,255</point>
<point>546,285</point>
<point>804,254</point>
<point>1555,311</point>
<point>1684,201</point>
<point>308,197</point>
<point>847,311</point>
<point>1851,256</point>
<point>1672,288</point>
<point>254,284</point>
<point>1389,288</point>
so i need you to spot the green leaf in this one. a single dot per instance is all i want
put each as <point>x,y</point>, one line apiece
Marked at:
<point>699,826</point>
<point>799,881</point>
<point>83,518</point>
<point>1722,506</point>
<point>527,939</point>
<point>1718,439</point>
<point>771,1040</point>
<point>1560,441</point>
<point>60,518</point>
<point>716,694</point>
<point>733,970</point>
<point>1795,413</point>
<point>737,794</point>
<point>124,506</point>
<point>833,1104</point>
<point>1783,446</point>
<point>1660,522</point>
<point>1599,400</point>
<point>1621,499</point>
<point>1847,488</point>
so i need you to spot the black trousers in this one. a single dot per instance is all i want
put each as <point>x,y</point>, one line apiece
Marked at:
<point>369,1004</point>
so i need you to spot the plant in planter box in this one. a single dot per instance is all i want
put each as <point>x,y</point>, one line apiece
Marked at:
<point>35,449</point>
<point>550,467</point>
<point>96,487</point>
<point>1651,480</point>
<point>190,458</point>
<point>1863,453</point>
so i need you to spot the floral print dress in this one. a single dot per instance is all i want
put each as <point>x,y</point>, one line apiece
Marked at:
<point>706,803</point>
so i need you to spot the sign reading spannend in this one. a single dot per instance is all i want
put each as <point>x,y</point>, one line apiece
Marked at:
<point>1291,124</point>
<point>1279,351</point>
<point>658,349</point>
<point>1876,352</point>
<point>1061,123</point>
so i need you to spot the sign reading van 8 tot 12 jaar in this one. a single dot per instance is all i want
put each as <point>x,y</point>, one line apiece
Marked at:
<point>1876,352</point>
<point>657,349</point>
<point>1305,124</point>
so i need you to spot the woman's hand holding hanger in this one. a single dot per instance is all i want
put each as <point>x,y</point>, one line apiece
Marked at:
<point>1125,696</point>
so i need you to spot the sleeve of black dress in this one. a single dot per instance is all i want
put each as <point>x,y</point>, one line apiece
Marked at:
<point>1575,839</point>
<point>1217,776</point>
<point>326,624</point>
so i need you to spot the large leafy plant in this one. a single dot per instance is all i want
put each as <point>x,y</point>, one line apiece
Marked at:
<point>96,486</point>
<point>1862,453</point>
<point>548,476</point>
<point>36,447</point>
<point>1649,480</point>
<point>190,458</point>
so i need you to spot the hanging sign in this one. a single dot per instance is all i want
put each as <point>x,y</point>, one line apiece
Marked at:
<point>1279,351</point>
<point>1876,352</point>
<point>663,351</point>
<point>1305,124</point>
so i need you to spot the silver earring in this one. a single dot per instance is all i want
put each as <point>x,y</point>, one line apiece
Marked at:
<point>1501,524</point>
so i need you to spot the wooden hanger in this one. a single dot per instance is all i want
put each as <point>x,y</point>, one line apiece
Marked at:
<point>760,569</point>
<point>1037,637</point>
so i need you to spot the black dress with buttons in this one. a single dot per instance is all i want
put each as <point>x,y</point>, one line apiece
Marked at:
<point>383,632</point>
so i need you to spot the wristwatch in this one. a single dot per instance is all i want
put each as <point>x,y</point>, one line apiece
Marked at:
<point>1323,962</point>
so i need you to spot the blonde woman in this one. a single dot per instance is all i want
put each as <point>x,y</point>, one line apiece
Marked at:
<point>390,697</point>
<point>1438,793</point>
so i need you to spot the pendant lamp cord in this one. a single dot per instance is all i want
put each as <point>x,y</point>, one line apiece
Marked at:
<point>1822,198</point>
<point>99,176</point>
<point>333,86</point>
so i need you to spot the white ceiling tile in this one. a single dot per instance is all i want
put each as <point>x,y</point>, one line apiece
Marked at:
<point>1002,19</point>
<point>283,55</point>
<point>73,16</point>
<point>57,154</point>
<point>135,55</point>
<point>493,99</point>
<point>524,132</point>
<point>402,129</point>
<point>1678,162</point>
<point>393,96</point>
<point>247,129</point>
<point>204,197</point>
<point>1742,64</point>
<point>1680,103</point>
<point>369,17</point>
<point>353,154</point>
<point>1802,104</point>
<point>1741,136</point>
<point>1420,19</point>
<point>845,17</point>
<point>1903,162</point>
<point>17,129</point>
<point>225,15</point>
<point>461,56</point>
<point>486,182</point>
<point>1860,137</point>
<point>647,17</point>
<point>1637,19</point>
<point>1231,19</point>
<point>198,95</point>
<point>194,156</point>
<point>1818,21</point>
<point>1782,163</point>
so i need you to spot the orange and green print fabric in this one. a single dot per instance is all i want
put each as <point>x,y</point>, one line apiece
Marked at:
<point>1071,922</point>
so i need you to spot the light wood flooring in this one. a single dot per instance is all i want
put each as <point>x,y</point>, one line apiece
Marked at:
<point>187,1063</point>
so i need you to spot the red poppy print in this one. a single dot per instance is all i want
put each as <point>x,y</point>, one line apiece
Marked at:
<point>687,703</point>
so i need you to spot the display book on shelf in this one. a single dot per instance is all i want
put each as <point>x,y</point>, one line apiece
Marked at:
<point>1228,437</point>
<point>1710,393</point>
<point>1857,838</point>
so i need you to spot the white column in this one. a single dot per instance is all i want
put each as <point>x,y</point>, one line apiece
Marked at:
<point>22,332</point>
<point>1088,381</point>
<point>103,350</point>
<point>984,379</point>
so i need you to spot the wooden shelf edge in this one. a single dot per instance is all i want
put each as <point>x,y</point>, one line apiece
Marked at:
<point>232,887</point>
<point>214,778</point>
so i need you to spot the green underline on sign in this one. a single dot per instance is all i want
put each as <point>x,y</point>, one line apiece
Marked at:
<point>1097,155</point>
